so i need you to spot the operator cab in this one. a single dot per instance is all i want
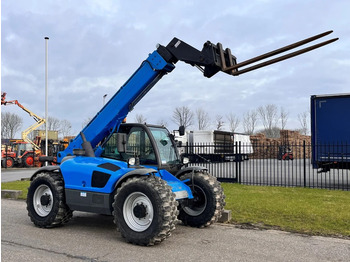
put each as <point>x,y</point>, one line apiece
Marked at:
<point>151,145</point>
<point>20,148</point>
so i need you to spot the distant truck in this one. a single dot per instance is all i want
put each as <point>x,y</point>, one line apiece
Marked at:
<point>214,146</point>
<point>330,131</point>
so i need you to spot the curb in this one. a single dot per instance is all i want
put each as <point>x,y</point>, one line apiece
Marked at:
<point>10,194</point>
<point>225,217</point>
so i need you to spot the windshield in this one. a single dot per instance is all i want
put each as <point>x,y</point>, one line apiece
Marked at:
<point>21,148</point>
<point>165,146</point>
<point>139,144</point>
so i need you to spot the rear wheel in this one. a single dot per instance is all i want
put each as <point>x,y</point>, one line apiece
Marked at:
<point>28,161</point>
<point>46,201</point>
<point>208,203</point>
<point>145,210</point>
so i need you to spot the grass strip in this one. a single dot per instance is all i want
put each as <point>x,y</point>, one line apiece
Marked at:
<point>17,185</point>
<point>302,210</point>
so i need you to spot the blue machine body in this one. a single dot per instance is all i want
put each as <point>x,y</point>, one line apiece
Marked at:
<point>78,173</point>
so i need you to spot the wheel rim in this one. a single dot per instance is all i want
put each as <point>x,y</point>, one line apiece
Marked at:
<point>43,200</point>
<point>9,162</point>
<point>138,211</point>
<point>199,202</point>
<point>29,161</point>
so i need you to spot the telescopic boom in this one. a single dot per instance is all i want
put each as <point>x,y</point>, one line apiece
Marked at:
<point>210,60</point>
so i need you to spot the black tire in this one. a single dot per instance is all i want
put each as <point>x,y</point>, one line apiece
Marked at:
<point>28,161</point>
<point>8,162</point>
<point>145,210</point>
<point>208,203</point>
<point>46,201</point>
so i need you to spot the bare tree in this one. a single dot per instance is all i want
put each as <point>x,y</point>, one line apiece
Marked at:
<point>219,122</point>
<point>233,121</point>
<point>250,120</point>
<point>66,128</point>
<point>10,124</point>
<point>162,122</point>
<point>269,119</point>
<point>303,120</point>
<point>284,118</point>
<point>141,119</point>
<point>53,123</point>
<point>85,122</point>
<point>183,116</point>
<point>203,119</point>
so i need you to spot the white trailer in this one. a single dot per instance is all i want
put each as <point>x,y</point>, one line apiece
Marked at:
<point>215,146</point>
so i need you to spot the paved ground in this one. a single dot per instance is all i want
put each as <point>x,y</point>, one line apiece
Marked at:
<point>13,174</point>
<point>89,237</point>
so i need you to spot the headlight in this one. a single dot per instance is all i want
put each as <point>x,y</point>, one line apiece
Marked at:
<point>181,194</point>
<point>131,161</point>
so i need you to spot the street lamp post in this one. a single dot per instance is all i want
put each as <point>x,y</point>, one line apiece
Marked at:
<point>46,96</point>
<point>104,97</point>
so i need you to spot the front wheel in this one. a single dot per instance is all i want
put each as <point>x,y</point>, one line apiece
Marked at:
<point>145,210</point>
<point>46,201</point>
<point>208,203</point>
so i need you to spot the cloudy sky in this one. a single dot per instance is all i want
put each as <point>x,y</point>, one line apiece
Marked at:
<point>95,46</point>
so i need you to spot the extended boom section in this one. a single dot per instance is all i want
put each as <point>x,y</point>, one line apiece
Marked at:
<point>210,60</point>
<point>114,112</point>
<point>39,120</point>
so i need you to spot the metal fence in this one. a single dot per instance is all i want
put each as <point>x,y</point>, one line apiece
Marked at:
<point>267,165</point>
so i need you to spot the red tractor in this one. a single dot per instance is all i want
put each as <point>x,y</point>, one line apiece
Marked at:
<point>20,154</point>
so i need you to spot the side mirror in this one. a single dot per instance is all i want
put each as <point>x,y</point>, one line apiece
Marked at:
<point>121,142</point>
<point>181,130</point>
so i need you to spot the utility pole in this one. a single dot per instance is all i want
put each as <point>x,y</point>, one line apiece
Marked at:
<point>104,97</point>
<point>46,96</point>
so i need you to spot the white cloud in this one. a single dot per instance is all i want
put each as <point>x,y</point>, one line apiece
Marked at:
<point>96,46</point>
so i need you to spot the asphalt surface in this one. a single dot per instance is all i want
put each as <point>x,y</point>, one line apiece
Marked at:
<point>13,174</point>
<point>90,237</point>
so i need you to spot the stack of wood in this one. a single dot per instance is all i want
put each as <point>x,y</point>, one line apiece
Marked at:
<point>292,141</point>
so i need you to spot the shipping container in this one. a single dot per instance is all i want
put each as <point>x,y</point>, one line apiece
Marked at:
<point>330,131</point>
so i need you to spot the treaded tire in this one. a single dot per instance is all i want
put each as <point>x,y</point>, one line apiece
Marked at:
<point>28,161</point>
<point>9,162</point>
<point>46,201</point>
<point>145,210</point>
<point>208,203</point>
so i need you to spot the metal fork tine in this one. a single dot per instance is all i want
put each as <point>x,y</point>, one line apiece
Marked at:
<point>281,58</point>
<point>278,51</point>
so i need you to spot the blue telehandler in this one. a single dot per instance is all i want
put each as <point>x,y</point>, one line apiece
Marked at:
<point>133,171</point>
